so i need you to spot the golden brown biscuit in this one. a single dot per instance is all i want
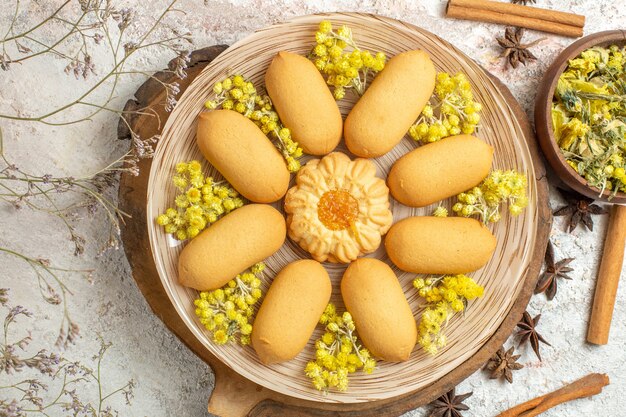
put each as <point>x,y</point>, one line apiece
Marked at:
<point>290,311</point>
<point>381,313</point>
<point>229,246</point>
<point>234,145</point>
<point>304,103</point>
<point>390,105</point>
<point>439,245</point>
<point>339,209</point>
<point>439,170</point>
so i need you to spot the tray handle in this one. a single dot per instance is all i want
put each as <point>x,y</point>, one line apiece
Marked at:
<point>233,395</point>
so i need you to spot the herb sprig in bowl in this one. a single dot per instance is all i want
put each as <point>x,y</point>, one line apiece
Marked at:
<point>580,116</point>
<point>589,116</point>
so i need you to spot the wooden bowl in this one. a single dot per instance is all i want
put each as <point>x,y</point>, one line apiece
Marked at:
<point>508,278</point>
<point>543,118</point>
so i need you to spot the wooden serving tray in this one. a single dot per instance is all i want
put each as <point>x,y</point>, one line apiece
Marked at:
<point>235,396</point>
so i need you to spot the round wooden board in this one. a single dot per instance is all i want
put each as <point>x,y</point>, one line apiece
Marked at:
<point>233,394</point>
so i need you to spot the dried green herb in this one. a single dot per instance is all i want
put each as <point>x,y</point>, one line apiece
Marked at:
<point>589,117</point>
<point>55,385</point>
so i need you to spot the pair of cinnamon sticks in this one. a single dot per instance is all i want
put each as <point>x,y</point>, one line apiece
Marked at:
<point>587,386</point>
<point>560,23</point>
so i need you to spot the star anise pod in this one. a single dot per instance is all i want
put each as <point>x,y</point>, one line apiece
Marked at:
<point>514,50</point>
<point>579,208</point>
<point>524,2</point>
<point>502,364</point>
<point>528,332</point>
<point>554,270</point>
<point>449,405</point>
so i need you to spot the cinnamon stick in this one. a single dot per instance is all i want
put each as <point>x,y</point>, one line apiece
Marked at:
<point>561,23</point>
<point>525,11</point>
<point>608,278</point>
<point>587,386</point>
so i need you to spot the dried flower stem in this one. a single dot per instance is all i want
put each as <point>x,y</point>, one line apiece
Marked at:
<point>82,30</point>
<point>117,47</point>
<point>54,291</point>
<point>29,393</point>
<point>18,187</point>
<point>39,192</point>
<point>94,24</point>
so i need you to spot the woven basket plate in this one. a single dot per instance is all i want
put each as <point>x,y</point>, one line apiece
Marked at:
<point>502,277</point>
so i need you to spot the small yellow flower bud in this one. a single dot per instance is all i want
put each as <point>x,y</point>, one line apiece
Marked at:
<point>240,107</point>
<point>455,130</point>
<point>341,80</point>
<point>193,195</point>
<point>454,120</point>
<point>321,38</point>
<point>238,81</point>
<point>181,201</point>
<point>344,32</point>
<point>347,317</point>
<point>440,212</point>
<point>339,93</point>
<point>334,51</point>
<point>352,73</point>
<point>515,210</point>
<point>181,234</point>
<point>249,89</point>
<point>271,125</point>
<point>427,111</point>
<point>320,50</point>
<point>227,83</point>
<point>236,93</point>
<point>194,166</point>
<point>181,167</point>
<point>473,118</point>
<point>325,26</point>
<point>162,220</point>
<point>220,337</point>
<point>293,165</point>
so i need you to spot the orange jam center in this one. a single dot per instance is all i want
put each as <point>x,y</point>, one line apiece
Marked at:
<point>337,210</point>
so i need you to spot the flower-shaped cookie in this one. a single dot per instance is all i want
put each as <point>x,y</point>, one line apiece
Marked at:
<point>338,209</point>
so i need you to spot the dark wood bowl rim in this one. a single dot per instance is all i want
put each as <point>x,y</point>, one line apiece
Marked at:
<point>543,116</point>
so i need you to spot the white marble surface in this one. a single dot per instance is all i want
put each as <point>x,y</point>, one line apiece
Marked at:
<point>171,381</point>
